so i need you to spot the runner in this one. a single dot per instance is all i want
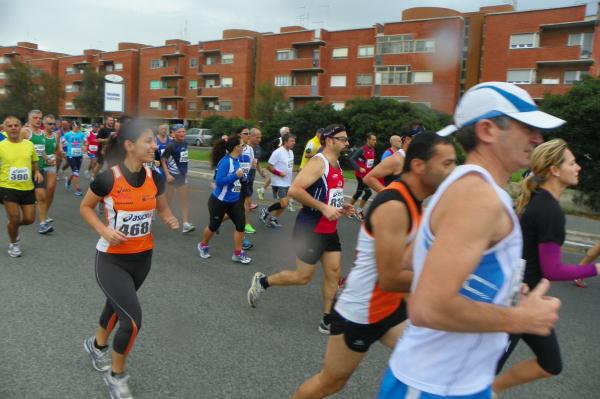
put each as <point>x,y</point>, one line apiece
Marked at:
<point>130,193</point>
<point>64,127</point>
<point>248,165</point>
<point>162,141</point>
<point>255,139</point>
<point>225,198</point>
<point>363,160</point>
<point>466,259</point>
<point>312,147</point>
<point>75,142</point>
<point>92,152</point>
<point>18,163</point>
<point>391,167</point>
<point>103,138</point>
<point>320,188</point>
<point>281,166</point>
<point>395,145</point>
<point>276,144</point>
<point>543,224</point>
<point>364,313</point>
<point>38,137</point>
<point>51,151</point>
<point>590,255</point>
<point>175,167</point>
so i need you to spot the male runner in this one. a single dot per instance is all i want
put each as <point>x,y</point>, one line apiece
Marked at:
<point>281,166</point>
<point>320,188</point>
<point>312,148</point>
<point>92,152</point>
<point>395,145</point>
<point>391,167</point>
<point>467,257</point>
<point>102,138</point>
<point>367,310</point>
<point>52,148</point>
<point>248,165</point>
<point>363,160</point>
<point>255,139</point>
<point>18,163</point>
<point>278,142</point>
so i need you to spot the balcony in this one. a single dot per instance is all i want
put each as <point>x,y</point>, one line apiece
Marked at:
<point>170,93</point>
<point>301,65</point>
<point>309,43</point>
<point>306,91</point>
<point>209,51</point>
<point>568,25</point>
<point>203,73</point>
<point>209,92</point>
<point>548,53</point>
<point>84,63</point>
<point>163,113</point>
<point>175,54</point>
<point>585,62</point>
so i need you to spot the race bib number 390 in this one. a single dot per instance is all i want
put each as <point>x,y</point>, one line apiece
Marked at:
<point>134,224</point>
<point>336,198</point>
<point>18,174</point>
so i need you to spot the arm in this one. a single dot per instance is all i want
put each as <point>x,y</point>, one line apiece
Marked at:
<point>163,161</point>
<point>388,166</point>
<point>554,270</point>
<point>222,178</point>
<point>591,254</point>
<point>353,158</point>
<point>471,224</point>
<point>312,171</point>
<point>35,167</point>
<point>271,166</point>
<point>87,209</point>
<point>390,223</point>
<point>164,212</point>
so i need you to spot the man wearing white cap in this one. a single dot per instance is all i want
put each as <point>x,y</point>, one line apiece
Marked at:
<point>467,257</point>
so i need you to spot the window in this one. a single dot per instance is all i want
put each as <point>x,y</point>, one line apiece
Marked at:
<point>194,62</point>
<point>283,80</point>
<point>3,59</point>
<point>226,58</point>
<point>338,81</point>
<point>69,105</point>
<point>109,68</point>
<point>208,83</point>
<point>2,75</point>
<point>155,64</point>
<point>422,77</point>
<point>226,82</point>
<point>225,106</point>
<point>211,60</point>
<point>70,71</point>
<point>425,46</point>
<point>584,40</point>
<point>154,104</point>
<point>158,84</point>
<point>192,106</point>
<point>364,80</point>
<point>118,66</point>
<point>574,76</point>
<point>395,44</point>
<point>520,76</point>
<point>71,89</point>
<point>550,81</point>
<point>341,52</point>
<point>338,106</point>
<point>366,51</point>
<point>393,75</point>
<point>193,84</point>
<point>523,40</point>
<point>282,55</point>
<point>2,90</point>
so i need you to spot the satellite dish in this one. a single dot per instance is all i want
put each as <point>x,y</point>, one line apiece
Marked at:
<point>113,78</point>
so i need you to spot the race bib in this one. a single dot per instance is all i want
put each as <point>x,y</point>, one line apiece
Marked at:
<point>517,282</point>
<point>336,198</point>
<point>134,224</point>
<point>290,164</point>
<point>245,167</point>
<point>93,148</point>
<point>39,149</point>
<point>18,174</point>
<point>183,156</point>
<point>370,163</point>
<point>237,186</point>
<point>51,157</point>
<point>76,152</point>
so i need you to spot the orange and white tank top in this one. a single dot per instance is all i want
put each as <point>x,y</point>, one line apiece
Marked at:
<point>129,210</point>
<point>362,301</point>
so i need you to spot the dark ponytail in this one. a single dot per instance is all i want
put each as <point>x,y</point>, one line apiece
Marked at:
<point>222,147</point>
<point>115,149</point>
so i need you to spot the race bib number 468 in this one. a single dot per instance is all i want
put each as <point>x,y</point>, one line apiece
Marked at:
<point>18,174</point>
<point>134,224</point>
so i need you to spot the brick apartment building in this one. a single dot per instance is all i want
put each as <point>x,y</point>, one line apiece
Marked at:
<point>430,57</point>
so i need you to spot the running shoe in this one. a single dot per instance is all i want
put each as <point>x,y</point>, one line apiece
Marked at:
<point>249,229</point>
<point>78,193</point>
<point>188,227</point>
<point>291,207</point>
<point>101,360</point>
<point>246,245</point>
<point>87,174</point>
<point>45,228</point>
<point>264,217</point>
<point>274,222</point>
<point>261,193</point>
<point>48,220</point>
<point>242,258</point>
<point>580,283</point>
<point>360,214</point>
<point>117,386</point>
<point>253,206</point>
<point>67,183</point>
<point>13,250</point>
<point>255,289</point>
<point>324,328</point>
<point>203,251</point>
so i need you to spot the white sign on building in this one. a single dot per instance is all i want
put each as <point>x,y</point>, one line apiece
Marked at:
<point>114,94</point>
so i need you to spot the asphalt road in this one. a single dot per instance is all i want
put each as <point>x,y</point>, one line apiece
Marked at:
<point>199,338</point>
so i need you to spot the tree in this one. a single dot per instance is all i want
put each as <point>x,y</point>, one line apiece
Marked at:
<point>580,107</point>
<point>50,94</point>
<point>268,101</point>
<point>21,91</point>
<point>91,99</point>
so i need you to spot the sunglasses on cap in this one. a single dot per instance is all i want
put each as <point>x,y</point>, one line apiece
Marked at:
<point>336,129</point>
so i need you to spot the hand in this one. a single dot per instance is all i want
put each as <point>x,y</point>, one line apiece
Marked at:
<point>254,163</point>
<point>172,223</point>
<point>38,177</point>
<point>170,178</point>
<point>539,312</point>
<point>362,170</point>
<point>157,164</point>
<point>50,161</point>
<point>349,210</point>
<point>239,172</point>
<point>282,173</point>
<point>263,174</point>
<point>331,213</point>
<point>114,237</point>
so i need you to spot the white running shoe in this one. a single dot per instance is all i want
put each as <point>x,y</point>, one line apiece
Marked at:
<point>255,289</point>
<point>13,250</point>
<point>101,359</point>
<point>188,227</point>
<point>118,386</point>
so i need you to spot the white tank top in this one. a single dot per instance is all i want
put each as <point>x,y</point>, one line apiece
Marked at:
<point>448,363</point>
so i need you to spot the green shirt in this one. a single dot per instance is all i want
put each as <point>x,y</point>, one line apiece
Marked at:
<point>39,143</point>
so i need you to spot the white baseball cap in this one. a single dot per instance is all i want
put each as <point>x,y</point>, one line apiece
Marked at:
<point>491,99</point>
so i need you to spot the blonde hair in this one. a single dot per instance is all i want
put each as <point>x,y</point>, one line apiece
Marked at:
<point>546,155</point>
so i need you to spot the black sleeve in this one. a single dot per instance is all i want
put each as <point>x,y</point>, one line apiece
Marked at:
<point>168,150</point>
<point>159,181</point>
<point>102,185</point>
<point>355,155</point>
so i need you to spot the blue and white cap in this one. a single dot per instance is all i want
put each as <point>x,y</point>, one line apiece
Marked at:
<point>491,99</point>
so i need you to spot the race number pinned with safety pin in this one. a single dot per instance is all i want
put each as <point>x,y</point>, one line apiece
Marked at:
<point>336,198</point>
<point>18,174</point>
<point>134,224</point>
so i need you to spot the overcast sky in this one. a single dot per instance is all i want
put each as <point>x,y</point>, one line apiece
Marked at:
<point>70,26</point>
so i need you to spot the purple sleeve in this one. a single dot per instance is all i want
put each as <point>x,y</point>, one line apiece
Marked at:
<point>554,270</point>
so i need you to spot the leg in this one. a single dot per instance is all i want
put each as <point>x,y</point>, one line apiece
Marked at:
<point>182,193</point>
<point>340,362</point>
<point>28,212</point>
<point>366,195</point>
<point>50,189</point>
<point>301,276</point>
<point>216,211</point>
<point>13,214</point>
<point>42,204</point>
<point>237,215</point>
<point>393,335</point>
<point>283,203</point>
<point>331,261</point>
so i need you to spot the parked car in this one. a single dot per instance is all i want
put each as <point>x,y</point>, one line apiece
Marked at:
<point>198,137</point>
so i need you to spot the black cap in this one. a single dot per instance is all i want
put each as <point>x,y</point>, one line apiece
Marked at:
<point>332,130</point>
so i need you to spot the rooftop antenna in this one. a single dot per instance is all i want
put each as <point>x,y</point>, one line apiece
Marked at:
<point>303,17</point>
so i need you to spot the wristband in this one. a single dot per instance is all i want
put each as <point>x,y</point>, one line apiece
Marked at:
<point>276,172</point>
